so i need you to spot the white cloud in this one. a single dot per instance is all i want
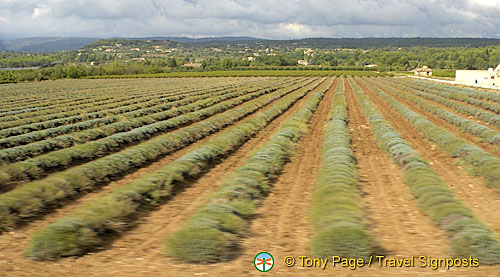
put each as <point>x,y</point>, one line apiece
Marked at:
<point>40,11</point>
<point>260,18</point>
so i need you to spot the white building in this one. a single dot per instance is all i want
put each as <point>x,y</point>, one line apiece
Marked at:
<point>303,62</point>
<point>423,71</point>
<point>490,77</point>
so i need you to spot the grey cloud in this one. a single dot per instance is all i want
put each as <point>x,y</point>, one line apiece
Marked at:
<point>260,18</point>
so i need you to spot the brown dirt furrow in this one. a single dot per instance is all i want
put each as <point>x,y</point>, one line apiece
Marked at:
<point>79,200</point>
<point>396,219</point>
<point>141,247</point>
<point>281,225</point>
<point>479,142</point>
<point>451,110</point>
<point>483,201</point>
<point>147,239</point>
<point>459,101</point>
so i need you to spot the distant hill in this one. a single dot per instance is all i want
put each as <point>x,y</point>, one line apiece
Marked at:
<point>45,44</point>
<point>53,44</point>
<point>198,40</point>
<point>129,43</point>
<point>365,43</point>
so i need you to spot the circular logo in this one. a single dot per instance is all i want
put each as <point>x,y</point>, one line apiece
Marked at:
<point>263,262</point>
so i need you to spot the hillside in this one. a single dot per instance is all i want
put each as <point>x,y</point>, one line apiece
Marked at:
<point>45,44</point>
<point>54,44</point>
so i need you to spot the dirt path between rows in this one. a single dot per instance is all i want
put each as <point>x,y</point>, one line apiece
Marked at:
<point>483,201</point>
<point>470,117</point>
<point>281,225</point>
<point>420,88</point>
<point>479,142</point>
<point>79,200</point>
<point>451,110</point>
<point>399,225</point>
<point>140,249</point>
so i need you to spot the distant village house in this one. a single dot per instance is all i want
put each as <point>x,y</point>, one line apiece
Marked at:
<point>192,65</point>
<point>423,71</point>
<point>302,62</point>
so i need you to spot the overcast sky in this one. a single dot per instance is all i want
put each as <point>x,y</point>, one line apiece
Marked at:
<point>274,19</point>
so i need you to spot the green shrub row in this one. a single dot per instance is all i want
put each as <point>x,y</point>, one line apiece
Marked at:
<point>337,206</point>
<point>192,104</point>
<point>479,161</point>
<point>462,108</point>
<point>212,233</point>
<point>67,94</point>
<point>90,104</point>
<point>67,111</point>
<point>30,137</point>
<point>469,236</point>
<point>449,94</point>
<point>490,135</point>
<point>249,73</point>
<point>87,227</point>
<point>24,112</point>
<point>89,124</point>
<point>23,127</point>
<point>478,94</point>
<point>31,199</point>
<point>37,167</point>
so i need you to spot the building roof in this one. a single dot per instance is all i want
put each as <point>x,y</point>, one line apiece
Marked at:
<point>423,69</point>
<point>192,64</point>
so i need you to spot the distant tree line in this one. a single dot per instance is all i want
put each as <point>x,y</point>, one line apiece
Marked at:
<point>82,64</point>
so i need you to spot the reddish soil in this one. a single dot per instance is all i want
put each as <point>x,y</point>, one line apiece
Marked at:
<point>407,231</point>
<point>142,246</point>
<point>395,84</point>
<point>479,142</point>
<point>483,201</point>
<point>281,226</point>
<point>467,87</point>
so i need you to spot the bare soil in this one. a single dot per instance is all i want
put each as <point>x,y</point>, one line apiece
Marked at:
<point>142,246</point>
<point>479,142</point>
<point>407,231</point>
<point>281,226</point>
<point>483,201</point>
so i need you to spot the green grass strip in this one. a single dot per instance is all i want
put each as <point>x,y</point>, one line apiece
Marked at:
<point>212,233</point>
<point>476,159</point>
<point>248,73</point>
<point>86,228</point>
<point>469,236</point>
<point>474,93</point>
<point>462,108</point>
<point>469,126</point>
<point>337,206</point>
<point>450,94</point>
